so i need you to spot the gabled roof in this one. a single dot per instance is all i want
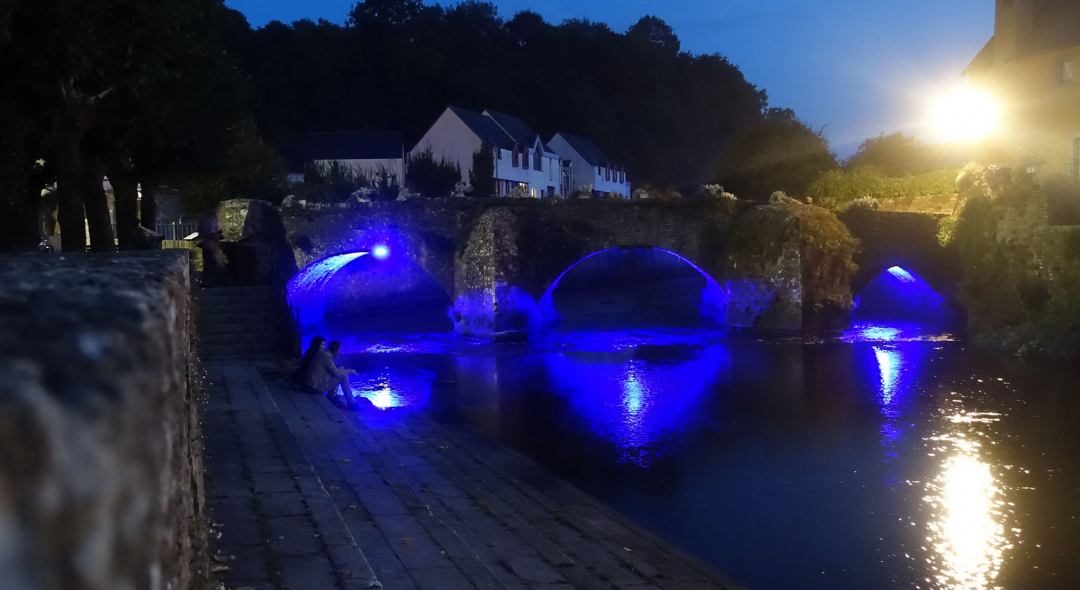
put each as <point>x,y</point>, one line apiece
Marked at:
<point>514,127</point>
<point>982,61</point>
<point>353,146</point>
<point>588,150</point>
<point>485,128</point>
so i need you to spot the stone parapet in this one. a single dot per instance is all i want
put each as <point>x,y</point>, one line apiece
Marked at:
<point>100,446</point>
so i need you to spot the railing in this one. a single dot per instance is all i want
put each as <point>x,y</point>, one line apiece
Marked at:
<point>177,230</point>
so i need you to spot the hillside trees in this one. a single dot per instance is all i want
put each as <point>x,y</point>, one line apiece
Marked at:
<point>397,64</point>
<point>778,153</point>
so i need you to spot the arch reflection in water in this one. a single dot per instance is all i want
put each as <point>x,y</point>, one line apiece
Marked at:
<point>635,401</point>
<point>968,532</point>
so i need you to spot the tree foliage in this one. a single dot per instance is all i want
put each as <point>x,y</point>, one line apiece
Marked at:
<point>896,155</point>
<point>145,92</point>
<point>482,174</point>
<point>433,178</point>
<point>777,153</point>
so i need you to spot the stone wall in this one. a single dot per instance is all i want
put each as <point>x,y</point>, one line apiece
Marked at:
<point>100,447</point>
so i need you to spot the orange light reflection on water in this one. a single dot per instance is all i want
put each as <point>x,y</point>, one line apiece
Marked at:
<point>967,532</point>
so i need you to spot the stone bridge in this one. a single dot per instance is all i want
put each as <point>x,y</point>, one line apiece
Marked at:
<point>909,240</point>
<point>497,263</point>
<point>498,260</point>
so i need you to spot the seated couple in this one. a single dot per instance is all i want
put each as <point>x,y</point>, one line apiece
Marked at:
<point>318,373</point>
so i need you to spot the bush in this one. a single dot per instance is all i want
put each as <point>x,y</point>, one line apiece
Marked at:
<point>433,179</point>
<point>838,187</point>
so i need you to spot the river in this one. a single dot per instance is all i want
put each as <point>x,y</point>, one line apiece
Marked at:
<point>885,458</point>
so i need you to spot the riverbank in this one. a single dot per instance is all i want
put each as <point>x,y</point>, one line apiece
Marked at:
<point>305,495</point>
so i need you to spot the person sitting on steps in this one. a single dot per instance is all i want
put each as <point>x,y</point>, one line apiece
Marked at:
<point>325,376</point>
<point>314,349</point>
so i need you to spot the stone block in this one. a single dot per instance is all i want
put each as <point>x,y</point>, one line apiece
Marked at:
<point>99,409</point>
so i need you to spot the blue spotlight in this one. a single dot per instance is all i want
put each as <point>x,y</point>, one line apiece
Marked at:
<point>381,252</point>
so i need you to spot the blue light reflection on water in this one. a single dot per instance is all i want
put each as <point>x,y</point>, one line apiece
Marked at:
<point>389,388</point>
<point>636,403</point>
<point>716,445</point>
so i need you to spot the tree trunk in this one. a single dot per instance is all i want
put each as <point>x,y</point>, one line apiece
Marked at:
<point>69,187</point>
<point>18,215</point>
<point>126,198</point>
<point>148,204</point>
<point>97,204</point>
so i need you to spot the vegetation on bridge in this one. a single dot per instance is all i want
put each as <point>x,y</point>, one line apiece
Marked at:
<point>1021,281</point>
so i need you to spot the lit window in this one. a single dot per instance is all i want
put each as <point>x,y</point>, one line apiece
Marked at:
<point>1068,70</point>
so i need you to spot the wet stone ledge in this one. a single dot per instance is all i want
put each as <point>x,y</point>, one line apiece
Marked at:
<point>100,450</point>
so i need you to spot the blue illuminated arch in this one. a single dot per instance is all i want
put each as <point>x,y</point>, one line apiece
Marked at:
<point>308,282</point>
<point>714,297</point>
<point>899,294</point>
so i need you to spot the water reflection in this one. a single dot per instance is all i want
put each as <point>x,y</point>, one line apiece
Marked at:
<point>968,531</point>
<point>637,398</point>
<point>891,369</point>
<point>387,388</point>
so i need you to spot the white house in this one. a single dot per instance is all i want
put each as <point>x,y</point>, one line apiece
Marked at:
<point>365,154</point>
<point>585,165</point>
<point>523,163</point>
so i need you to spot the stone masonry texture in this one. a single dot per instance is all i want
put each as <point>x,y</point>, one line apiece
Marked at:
<point>100,445</point>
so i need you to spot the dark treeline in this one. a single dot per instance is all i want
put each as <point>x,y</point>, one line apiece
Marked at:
<point>142,92</point>
<point>185,93</point>
<point>666,114</point>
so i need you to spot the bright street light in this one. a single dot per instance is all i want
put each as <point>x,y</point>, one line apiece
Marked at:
<point>381,252</point>
<point>966,116</point>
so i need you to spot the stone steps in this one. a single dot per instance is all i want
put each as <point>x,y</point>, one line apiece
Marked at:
<point>240,322</point>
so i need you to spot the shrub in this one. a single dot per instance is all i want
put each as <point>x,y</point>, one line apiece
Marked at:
<point>838,187</point>
<point>431,178</point>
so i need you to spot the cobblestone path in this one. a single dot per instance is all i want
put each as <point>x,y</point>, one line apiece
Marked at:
<point>306,497</point>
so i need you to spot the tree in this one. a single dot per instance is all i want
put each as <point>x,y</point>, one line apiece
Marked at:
<point>654,30</point>
<point>896,155</point>
<point>779,153</point>
<point>433,178</point>
<point>482,175</point>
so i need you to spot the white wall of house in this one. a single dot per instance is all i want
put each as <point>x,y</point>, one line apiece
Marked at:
<point>610,184</point>
<point>585,174</point>
<point>450,139</point>
<point>368,167</point>
<point>540,180</point>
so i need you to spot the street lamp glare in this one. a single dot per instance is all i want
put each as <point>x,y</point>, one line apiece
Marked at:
<point>966,116</point>
<point>381,252</point>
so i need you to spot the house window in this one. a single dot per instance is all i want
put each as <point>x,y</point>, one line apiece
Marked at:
<point>1067,70</point>
<point>551,191</point>
<point>538,160</point>
<point>551,169</point>
<point>599,171</point>
<point>525,158</point>
<point>607,173</point>
<point>514,158</point>
<point>532,193</point>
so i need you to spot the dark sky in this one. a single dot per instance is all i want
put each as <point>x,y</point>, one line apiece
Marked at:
<point>854,67</point>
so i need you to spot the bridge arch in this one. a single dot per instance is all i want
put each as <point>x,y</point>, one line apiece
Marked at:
<point>711,305</point>
<point>409,256</point>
